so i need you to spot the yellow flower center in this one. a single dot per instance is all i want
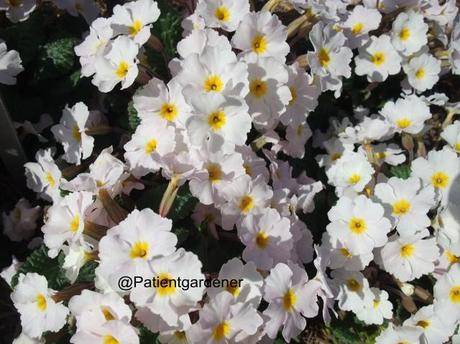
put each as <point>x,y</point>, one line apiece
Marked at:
<point>41,302</point>
<point>135,28</point>
<point>248,169</point>
<point>107,314</point>
<point>140,249</point>
<point>376,303</point>
<point>293,96</point>
<point>380,155</point>
<point>289,300</point>
<point>344,252</point>
<point>223,14</point>
<point>403,123</point>
<point>440,180</point>
<point>150,146</point>
<point>357,225</point>
<point>453,259</point>
<point>457,147</point>
<point>213,84</point>
<point>259,44</point>
<point>246,204</point>
<point>76,134</point>
<point>423,323</point>
<point>404,34</point>
<point>221,331</point>
<point>262,239</point>
<point>166,284</point>
<point>217,120</point>
<point>378,58</point>
<point>258,88</point>
<point>323,57</point>
<point>168,111</point>
<point>401,207</point>
<point>353,285</point>
<point>407,250</point>
<point>122,69</point>
<point>357,28</point>
<point>454,294</point>
<point>420,73</point>
<point>180,335</point>
<point>108,339</point>
<point>354,179</point>
<point>336,156</point>
<point>75,224</point>
<point>50,180</point>
<point>215,173</point>
<point>235,291</point>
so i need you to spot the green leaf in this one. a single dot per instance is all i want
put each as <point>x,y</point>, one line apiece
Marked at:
<point>147,337</point>
<point>181,233</point>
<point>133,118</point>
<point>86,273</point>
<point>183,204</point>
<point>56,58</point>
<point>401,171</point>
<point>168,29</point>
<point>40,263</point>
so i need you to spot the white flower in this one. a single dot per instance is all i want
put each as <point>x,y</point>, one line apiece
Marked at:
<point>134,19</point>
<point>407,114</point>
<point>408,202</point>
<point>422,72</point>
<point>218,122</point>
<point>149,145</point>
<point>262,34</point>
<point>44,176</point>
<point>34,301</point>
<point>447,288</point>
<point>117,65</point>
<point>358,24</point>
<point>377,59</point>
<point>379,309</point>
<point>192,23</point>
<point>17,10</point>
<point>359,224</point>
<point>331,59</point>
<point>390,154</point>
<point>198,40</point>
<point>451,134</point>
<point>70,132</point>
<point>21,222</point>
<point>10,63</point>
<point>114,331</point>
<point>65,221</point>
<point>408,33</point>
<point>267,238</point>
<point>409,257</point>
<point>9,272</point>
<point>253,164</point>
<point>224,14</point>
<point>290,297</point>
<point>353,291</point>
<point>440,169</point>
<point>403,334</point>
<point>296,138</point>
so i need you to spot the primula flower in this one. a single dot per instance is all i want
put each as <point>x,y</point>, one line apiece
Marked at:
<point>408,202</point>
<point>359,224</point>
<point>296,138</point>
<point>10,63</point>
<point>224,14</point>
<point>253,165</point>
<point>135,19</point>
<point>65,221</point>
<point>377,310</point>
<point>358,24</point>
<point>267,238</point>
<point>21,222</point>
<point>403,334</point>
<point>447,288</point>
<point>17,10</point>
<point>114,331</point>
<point>291,297</point>
<point>353,291</point>
<point>34,301</point>
<point>70,132</point>
<point>262,34</point>
<point>422,72</point>
<point>197,42</point>
<point>409,32</point>
<point>451,134</point>
<point>378,59</point>
<point>117,65</point>
<point>407,114</point>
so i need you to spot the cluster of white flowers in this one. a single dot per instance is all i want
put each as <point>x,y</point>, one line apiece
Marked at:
<point>228,123</point>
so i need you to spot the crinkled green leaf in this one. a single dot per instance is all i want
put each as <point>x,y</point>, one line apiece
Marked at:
<point>56,58</point>
<point>86,273</point>
<point>133,118</point>
<point>147,337</point>
<point>401,171</point>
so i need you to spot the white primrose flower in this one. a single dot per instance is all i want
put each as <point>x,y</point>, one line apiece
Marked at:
<point>335,148</point>
<point>358,224</point>
<point>379,309</point>
<point>267,238</point>
<point>377,59</point>
<point>440,169</point>
<point>409,32</point>
<point>262,34</point>
<point>17,10</point>
<point>422,72</point>
<point>268,93</point>
<point>77,254</point>
<point>70,132</point>
<point>390,154</point>
<point>451,134</point>
<point>408,202</point>
<point>20,223</point>
<point>224,14</point>
<point>94,45</point>
<point>198,40</point>
<point>447,289</point>
<point>291,297</point>
<point>34,301</point>
<point>165,298</point>
<point>65,221</point>
<point>353,291</point>
<point>243,197</point>
<point>129,248</point>
<point>253,165</point>
<point>44,176</point>
<point>10,63</point>
<point>407,114</point>
<point>454,48</point>
<point>409,257</point>
<point>135,19</point>
<point>358,24</point>
<point>330,61</point>
<point>296,138</point>
<point>218,122</point>
<point>114,331</point>
<point>119,64</point>
<point>224,320</point>
<point>148,146</point>
<point>403,334</point>
<point>192,23</point>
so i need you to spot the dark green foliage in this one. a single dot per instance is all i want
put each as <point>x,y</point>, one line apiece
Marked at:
<point>56,58</point>
<point>133,118</point>
<point>401,171</point>
<point>87,272</point>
